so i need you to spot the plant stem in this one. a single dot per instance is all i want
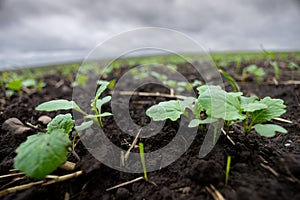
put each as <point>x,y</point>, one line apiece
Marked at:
<point>227,169</point>
<point>142,154</point>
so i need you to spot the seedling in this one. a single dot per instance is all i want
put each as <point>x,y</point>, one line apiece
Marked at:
<point>217,104</point>
<point>258,72</point>
<point>42,153</point>
<point>49,150</point>
<point>275,68</point>
<point>227,169</point>
<point>231,80</point>
<point>96,105</point>
<point>293,66</point>
<point>142,154</point>
<point>18,84</point>
<point>81,80</point>
<point>273,63</point>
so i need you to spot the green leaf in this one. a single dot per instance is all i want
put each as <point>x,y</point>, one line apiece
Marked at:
<point>257,71</point>
<point>29,83</point>
<point>197,122</point>
<point>275,108</point>
<point>268,130</point>
<point>105,114</point>
<point>187,103</point>
<point>61,121</point>
<point>42,153</point>
<point>204,88</point>
<point>293,65</point>
<point>100,90</point>
<point>247,100</point>
<point>231,80</point>
<point>166,110</point>
<point>251,107</point>
<point>55,105</point>
<point>100,102</point>
<point>220,104</point>
<point>83,126</point>
<point>15,85</point>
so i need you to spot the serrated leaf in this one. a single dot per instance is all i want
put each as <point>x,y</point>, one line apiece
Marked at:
<point>166,110</point>
<point>83,126</point>
<point>54,105</point>
<point>197,122</point>
<point>268,130</point>
<point>41,154</point>
<point>61,121</point>
<point>220,104</point>
<point>251,107</point>
<point>275,108</point>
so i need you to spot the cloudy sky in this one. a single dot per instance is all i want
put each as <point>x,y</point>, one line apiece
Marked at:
<point>34,32</point>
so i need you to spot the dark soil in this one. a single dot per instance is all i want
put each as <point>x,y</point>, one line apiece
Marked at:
<point>261,168</point>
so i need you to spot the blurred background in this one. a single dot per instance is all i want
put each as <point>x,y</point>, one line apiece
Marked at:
<point>45,32</point>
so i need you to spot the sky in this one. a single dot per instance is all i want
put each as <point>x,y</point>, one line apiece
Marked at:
<point>34,32</point>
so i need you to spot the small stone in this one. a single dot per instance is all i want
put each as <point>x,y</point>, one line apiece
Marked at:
<point>122,194</point>
<point>186,190</point>
<point>14,125</point>
<point>45,119</point>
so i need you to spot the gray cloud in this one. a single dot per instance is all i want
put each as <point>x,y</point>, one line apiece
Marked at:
<point>35,26</point>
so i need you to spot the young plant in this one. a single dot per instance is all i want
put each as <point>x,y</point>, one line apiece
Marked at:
<point>275,68</point>
<point>232,107</point>
<point>142,154</point>
<point>96,105</point>
<point>42,153</point>
<point>293,66</point>
<point>227,169</point>
<point>18,85</point>
<point>50,149</point>
<point>258,72</point>
<point>273,62</point>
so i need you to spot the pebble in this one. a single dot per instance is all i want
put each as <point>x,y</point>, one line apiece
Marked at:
<point>44,119</point>
<point>15,126</point>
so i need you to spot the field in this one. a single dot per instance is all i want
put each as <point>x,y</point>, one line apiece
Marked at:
<point>260,168</point>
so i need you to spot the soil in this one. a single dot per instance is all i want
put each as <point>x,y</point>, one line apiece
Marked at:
<point>261,168</point>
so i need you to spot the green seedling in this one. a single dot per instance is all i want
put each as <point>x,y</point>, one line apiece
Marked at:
<point>49,150</point>
<point>217,104</point>
<point>81,80</point>
<point>258,72</point>
<point>238,64</point>
<point>227,169</point>
<point>96,105</point>
<point>17,85</point>
<point>231,80</point>
<point>272,62</point>
<point>142,154</point>
<point>293,66</point>
<point>275,68</point>
<point>42,153</point>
